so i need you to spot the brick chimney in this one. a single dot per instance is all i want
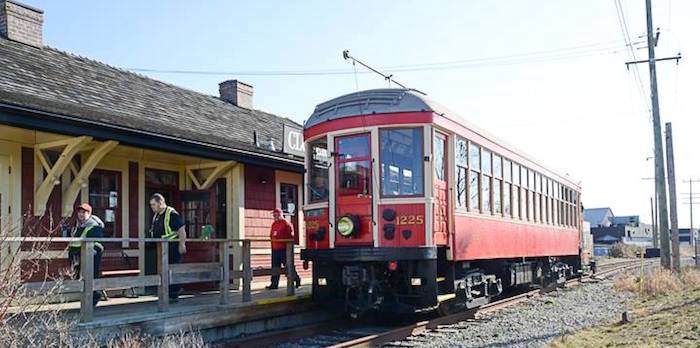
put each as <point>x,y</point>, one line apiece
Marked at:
<point>21,23</point>
<point>236,93</point>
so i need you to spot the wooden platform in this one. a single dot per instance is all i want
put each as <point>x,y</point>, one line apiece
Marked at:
<point>199,311</point>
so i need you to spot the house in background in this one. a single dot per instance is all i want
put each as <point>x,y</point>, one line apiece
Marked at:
<point>610,229</point>
<point>598,217</point>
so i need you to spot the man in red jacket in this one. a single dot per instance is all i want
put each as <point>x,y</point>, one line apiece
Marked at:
<point>281,233</point>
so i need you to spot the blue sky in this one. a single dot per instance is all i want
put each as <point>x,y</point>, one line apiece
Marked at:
<point>574,107</point>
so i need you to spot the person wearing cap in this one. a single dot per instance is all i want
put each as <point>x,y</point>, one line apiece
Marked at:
<point>281,233</point>
<point>87,226</point>
<point>168,224</point>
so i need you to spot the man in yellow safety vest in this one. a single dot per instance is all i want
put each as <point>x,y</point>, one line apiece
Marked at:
<point>88,226</point>
<point>168,224</point>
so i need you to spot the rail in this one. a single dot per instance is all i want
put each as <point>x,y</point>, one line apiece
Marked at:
<point>167,274</point>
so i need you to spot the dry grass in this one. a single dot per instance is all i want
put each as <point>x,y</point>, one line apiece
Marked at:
<point>664,321</point>
<point>625,250</point>
<point>660,282</point>
<point>27,320</point>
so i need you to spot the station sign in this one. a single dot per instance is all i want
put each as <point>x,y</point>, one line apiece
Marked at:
<point>293,141</point>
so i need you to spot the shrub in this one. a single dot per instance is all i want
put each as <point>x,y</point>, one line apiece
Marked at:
<point>625,250</point>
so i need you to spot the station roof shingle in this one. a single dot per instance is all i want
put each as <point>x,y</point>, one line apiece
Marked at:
<point>54,81</point>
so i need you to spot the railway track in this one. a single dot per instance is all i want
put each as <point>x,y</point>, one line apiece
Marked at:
<point>345,333</point>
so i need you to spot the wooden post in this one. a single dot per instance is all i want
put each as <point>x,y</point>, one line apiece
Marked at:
<point>289,267</point>
<point>247,271</point>
<point>164,272</point>
<point>673,209</point>
<point>87,258</point>
<point>224,263</point>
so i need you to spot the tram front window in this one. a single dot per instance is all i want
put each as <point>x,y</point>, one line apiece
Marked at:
<point>318,170</point>
<point>402,161</point>
<point>353,159</point>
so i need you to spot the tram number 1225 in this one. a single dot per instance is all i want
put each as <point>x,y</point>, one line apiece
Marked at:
<point>410,219</point>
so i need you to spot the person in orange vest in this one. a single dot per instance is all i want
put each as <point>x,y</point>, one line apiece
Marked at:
<point>281,233</point>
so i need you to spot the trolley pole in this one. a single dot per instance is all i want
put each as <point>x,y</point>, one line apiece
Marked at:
<point>675,248</point>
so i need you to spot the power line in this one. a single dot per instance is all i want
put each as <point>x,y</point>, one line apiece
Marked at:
<point>573,52</point>
<point>630,49</point>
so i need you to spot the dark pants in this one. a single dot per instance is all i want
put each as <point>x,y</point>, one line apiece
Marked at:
<point>173,258</point>
<point>151,265</point>
<point>74,258</point>
<point>279,258</point>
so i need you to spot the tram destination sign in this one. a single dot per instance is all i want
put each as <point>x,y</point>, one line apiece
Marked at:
<point>293,141</point>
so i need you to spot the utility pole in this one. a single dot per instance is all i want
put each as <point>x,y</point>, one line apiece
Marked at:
<point>675,247</point>
<point>654,231</point>
<point>693,237</point>
<point>659,172</point>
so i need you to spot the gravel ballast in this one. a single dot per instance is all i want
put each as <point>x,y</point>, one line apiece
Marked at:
<point>534,322</point>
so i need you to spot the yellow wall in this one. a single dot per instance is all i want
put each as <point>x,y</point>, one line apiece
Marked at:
<point>13,139</point>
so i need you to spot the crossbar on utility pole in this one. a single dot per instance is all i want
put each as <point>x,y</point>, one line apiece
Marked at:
<point>675,247</point>
<point>659,172</point>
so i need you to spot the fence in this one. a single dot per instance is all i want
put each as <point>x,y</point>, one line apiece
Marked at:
<point>168,274</point>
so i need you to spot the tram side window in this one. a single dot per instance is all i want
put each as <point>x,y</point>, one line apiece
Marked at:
<point>461,160</point>
<point>474,175</point>
<point>485,181</point>
<point>402,161</point>
<point>497,184</point>
<point>516,192</point>
<point>318,170</point>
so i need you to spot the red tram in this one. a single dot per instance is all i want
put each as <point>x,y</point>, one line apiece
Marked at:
<point>409,208</point>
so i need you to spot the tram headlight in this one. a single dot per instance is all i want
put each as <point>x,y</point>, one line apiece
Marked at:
<point>345,226</point>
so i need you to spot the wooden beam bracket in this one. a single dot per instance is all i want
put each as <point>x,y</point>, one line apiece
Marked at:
<point>54,171</point>
<point>218,168</point>
<point>81,178</point>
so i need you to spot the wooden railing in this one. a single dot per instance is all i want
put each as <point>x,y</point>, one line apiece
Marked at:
<point>168,274</point>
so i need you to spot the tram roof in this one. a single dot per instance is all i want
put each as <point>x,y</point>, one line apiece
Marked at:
<point>398,100</point>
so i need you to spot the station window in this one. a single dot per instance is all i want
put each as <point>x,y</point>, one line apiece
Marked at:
<point>402,161</point>
<point>516,174</point>
<point>353,165</point>
<point>318,170</point>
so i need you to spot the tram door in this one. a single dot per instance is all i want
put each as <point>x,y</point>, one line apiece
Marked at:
<point>440,207</point>
<point>353,194</point>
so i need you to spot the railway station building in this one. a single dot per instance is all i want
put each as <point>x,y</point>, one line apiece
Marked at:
<point>73,129</point>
